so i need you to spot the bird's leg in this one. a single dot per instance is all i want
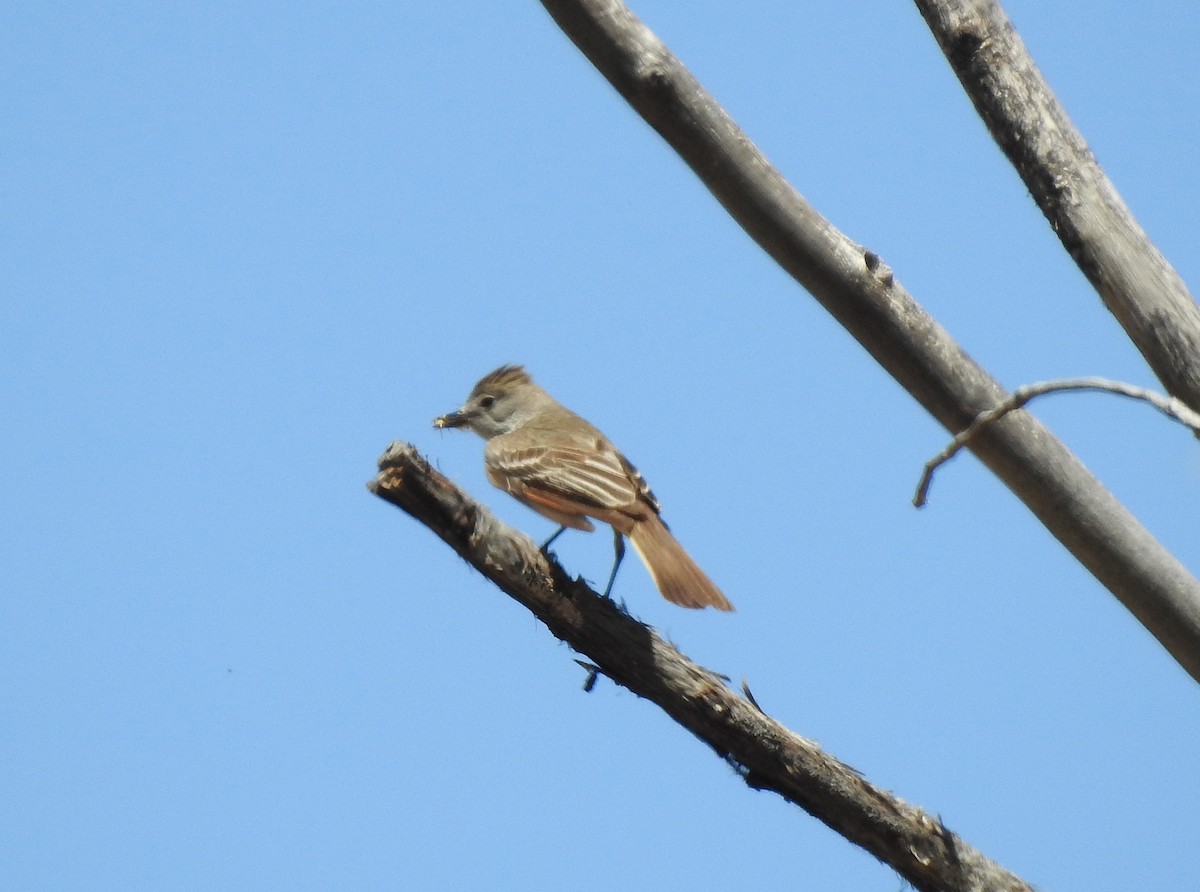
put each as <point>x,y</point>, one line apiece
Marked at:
<point>546,544</point>
<point>619,551</point>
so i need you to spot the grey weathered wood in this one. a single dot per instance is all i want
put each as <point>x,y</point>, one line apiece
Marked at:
<point>1084,209</point>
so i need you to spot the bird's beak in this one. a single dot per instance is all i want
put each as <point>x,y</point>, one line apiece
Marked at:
<point>453,419</point>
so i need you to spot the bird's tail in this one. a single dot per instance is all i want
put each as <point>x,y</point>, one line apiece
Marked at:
<point>674,572</point>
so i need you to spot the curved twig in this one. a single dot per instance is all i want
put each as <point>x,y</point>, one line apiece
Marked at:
<point>1168,405</point>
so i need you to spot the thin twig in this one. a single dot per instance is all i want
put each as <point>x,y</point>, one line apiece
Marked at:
<point>1168,405</point>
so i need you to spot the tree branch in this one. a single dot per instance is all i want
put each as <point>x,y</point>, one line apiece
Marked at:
<point>1169,406</point>
<point>766,755</point>
<point>1084,209</point>
<point>858,289</point>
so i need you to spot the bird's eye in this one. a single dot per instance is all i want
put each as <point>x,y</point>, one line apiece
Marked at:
<point>486,402</point>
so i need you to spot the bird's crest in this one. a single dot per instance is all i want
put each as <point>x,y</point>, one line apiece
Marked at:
<point>505,376</point>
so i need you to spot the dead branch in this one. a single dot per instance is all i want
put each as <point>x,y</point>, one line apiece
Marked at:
<point>766,755</point>
<point>1083,207</point>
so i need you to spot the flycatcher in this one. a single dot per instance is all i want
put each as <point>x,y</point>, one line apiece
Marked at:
<point>550,459</point>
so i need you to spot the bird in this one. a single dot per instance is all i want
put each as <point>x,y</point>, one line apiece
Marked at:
<point>560,465</point>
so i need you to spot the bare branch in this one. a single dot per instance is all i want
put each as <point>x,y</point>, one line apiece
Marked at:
<point>1083,207</point>
<point>1022,395</point>
<point>766,755</point>
<point>861,292</point>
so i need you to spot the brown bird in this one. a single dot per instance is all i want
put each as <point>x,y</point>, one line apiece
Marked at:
<point>558,464</point>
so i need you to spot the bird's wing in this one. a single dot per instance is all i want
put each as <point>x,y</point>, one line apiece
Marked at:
<point>592,474</point>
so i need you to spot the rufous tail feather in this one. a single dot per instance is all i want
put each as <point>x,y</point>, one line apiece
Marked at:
<point>677,576</point>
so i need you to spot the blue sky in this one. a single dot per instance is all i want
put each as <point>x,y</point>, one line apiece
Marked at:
<point>245,246</point>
